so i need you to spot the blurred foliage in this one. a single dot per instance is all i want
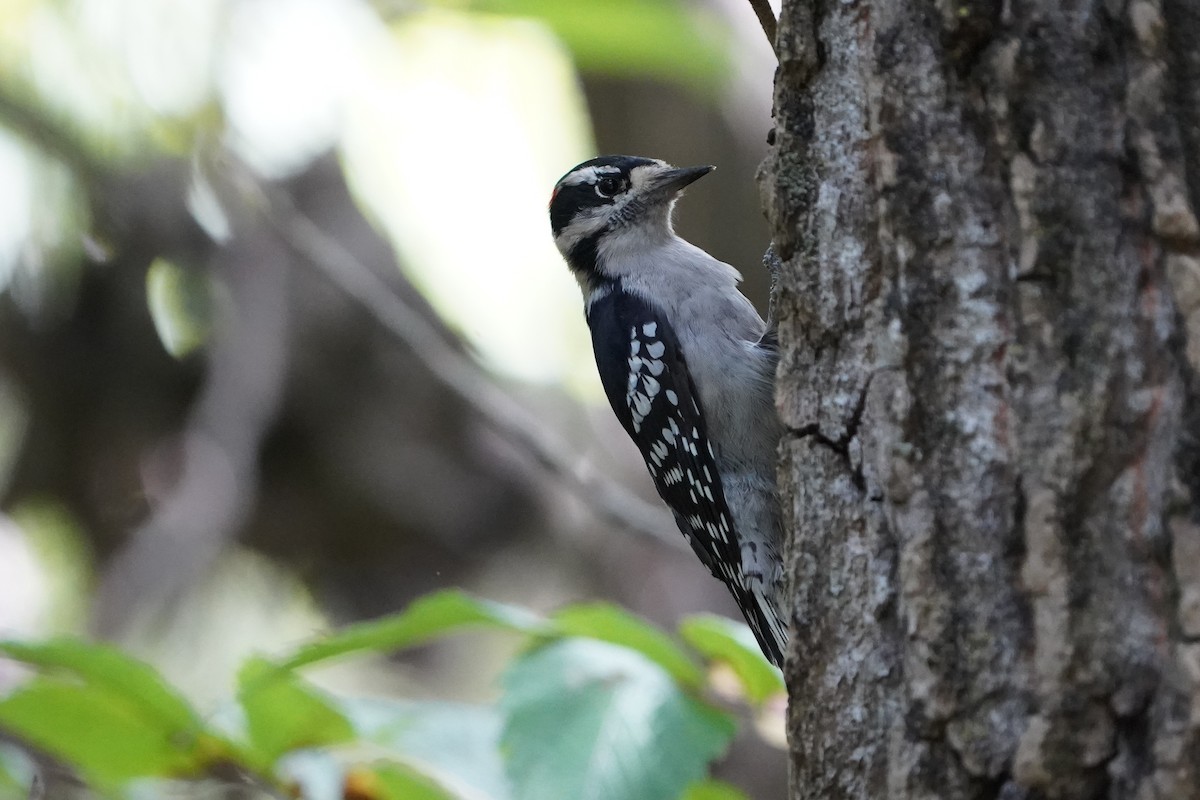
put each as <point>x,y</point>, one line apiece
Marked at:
<point>723,639</point>
<point>400,89</point>
<point>663,39</point>
<point>597,704</point>
<point>180,303</point>
<point>135,139</point>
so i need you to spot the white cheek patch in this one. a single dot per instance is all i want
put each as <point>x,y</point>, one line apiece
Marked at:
<point>582,226</point>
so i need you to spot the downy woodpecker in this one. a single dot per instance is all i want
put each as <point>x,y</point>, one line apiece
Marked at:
<point>689,369</point>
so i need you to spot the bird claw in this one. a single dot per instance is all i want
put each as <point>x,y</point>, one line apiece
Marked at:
<point>774,266</point>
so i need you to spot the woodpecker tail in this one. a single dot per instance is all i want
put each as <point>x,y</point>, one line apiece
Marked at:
<point>764,619</point>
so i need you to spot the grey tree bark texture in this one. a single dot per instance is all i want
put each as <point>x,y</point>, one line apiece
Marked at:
<point>990,321</point>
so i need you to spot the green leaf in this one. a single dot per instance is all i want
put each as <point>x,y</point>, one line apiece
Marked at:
<point>456,743</point>
<point>662,39</point>
<point>100,732</point>
<point>611,624</point>
<point>721,639</point>
<point>181,306</point>
<point>125,700</point>
<point>395,781</point>
<point>713,790</point>
<point>428,618</point>
<point>593,721</point>
<point>285,713</point>
<point>107,668</point>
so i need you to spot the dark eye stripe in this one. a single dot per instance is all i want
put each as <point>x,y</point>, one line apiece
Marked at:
<point>583,189</point>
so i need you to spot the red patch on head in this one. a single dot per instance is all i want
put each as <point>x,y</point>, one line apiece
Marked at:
<point>553,194</point>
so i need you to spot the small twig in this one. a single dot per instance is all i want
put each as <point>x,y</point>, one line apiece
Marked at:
<point>766,18</point>
<point>219,446</point>
<point>52,136</point>
<point>607,500</point>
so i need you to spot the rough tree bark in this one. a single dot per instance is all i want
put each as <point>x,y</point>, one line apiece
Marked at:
<point>990,319</point>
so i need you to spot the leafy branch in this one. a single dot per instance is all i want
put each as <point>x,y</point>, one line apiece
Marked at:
<point>598,703</point>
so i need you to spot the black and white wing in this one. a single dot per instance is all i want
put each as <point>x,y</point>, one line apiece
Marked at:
<point>646,378</point>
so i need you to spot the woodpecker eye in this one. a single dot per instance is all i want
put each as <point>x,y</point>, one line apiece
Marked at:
<point>608,186</point>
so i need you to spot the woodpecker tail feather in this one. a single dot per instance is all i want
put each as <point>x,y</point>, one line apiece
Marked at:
<point>762,615</point>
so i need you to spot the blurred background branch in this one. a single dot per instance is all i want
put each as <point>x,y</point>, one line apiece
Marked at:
<point>612,503</point>
<point>32,123</point>
<point>284,341</point>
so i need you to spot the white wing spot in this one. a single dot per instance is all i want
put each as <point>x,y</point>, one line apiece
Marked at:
<point>650,329</point>
<point>656,366</point>
<point>674,398</point>
<point>656,349</point>
<point>652,386</point>
<point>641,404</point>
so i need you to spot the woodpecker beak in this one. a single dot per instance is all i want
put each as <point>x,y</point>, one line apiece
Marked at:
<point>671,181</point>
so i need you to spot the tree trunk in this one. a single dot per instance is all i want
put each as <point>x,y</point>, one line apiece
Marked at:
<point>990,322</point>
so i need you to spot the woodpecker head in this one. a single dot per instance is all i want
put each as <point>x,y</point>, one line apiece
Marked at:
<point>611,198</point>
